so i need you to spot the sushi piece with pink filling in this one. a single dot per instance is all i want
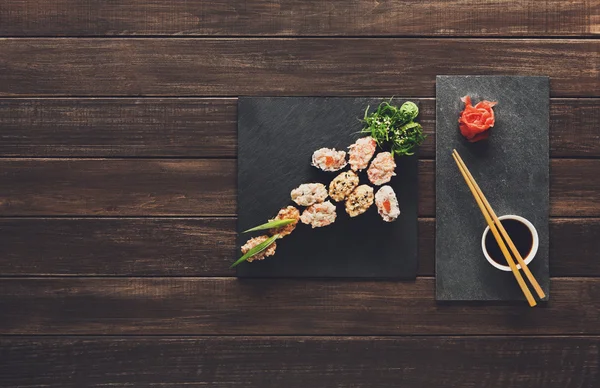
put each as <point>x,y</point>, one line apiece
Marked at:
<point>387,203</point>
<point>361,153</point>
<point>382,168</point>
<point>319,215</point>
<point>328,159</point>
<point>309,193</point>
<point>270,251</point>
<point>287,213</point>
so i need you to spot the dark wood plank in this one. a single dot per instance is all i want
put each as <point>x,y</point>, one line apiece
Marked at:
<point>574,127</point>
<point>574,247</point>
<point>206,247</point>
<point>579,237</point>
<point>134,187</point>
<point>192,127</point>
<point>298,17</point>
<point>475,362</point>
<point>117,246</point>
<point>102,127</point>
<point>574,187</point>
<point>231,67</point>
<point>117,187</point>
<point>209,306</point>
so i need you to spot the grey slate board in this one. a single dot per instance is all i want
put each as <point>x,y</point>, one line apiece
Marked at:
<point>276,140</point>
<point>511,167</point>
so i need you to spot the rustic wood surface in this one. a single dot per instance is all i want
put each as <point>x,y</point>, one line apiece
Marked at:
<point>228,306</point>
<point>118,139</point>
<point>207,127</point>
<point>284,66</point>
<point>300,17</point>
<point>299,362</point>
<point>205,246</point>
<point>205,187</point>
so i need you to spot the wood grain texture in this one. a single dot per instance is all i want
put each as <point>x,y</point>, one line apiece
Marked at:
<point>117,187</point>
<point>467,362</point>
<point>117,246</point>
<point>405,44</point>
<point>574,187</point>
<point>231,67</point>
<point>574,127</point>
<point>148,187</point>
<point>102,127</point>
<point>299,17</point>
<point>206,247</point>
<point>192,127</point>
<point>228,306</point>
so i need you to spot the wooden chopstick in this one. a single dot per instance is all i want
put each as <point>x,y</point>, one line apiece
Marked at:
<point>503,232</point>
<point>490,222</point>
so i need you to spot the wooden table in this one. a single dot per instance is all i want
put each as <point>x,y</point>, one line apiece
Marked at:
<point>118,195</point>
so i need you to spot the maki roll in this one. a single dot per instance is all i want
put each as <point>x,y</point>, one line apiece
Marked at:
<point>328,159</point>
<point>387,203</point>
<point>361,153</point>
<point>287,213</point>
<point>269,251</point>
<point>382,168</point>
<point>319,215</point>
<point>359,200</point>
<point>342,185</point>
<point>309,193</point>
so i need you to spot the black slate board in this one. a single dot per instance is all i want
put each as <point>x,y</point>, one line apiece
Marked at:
<point>277,137</point>
<point>511,167</point>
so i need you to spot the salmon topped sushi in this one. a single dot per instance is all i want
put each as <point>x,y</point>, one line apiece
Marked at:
<point>387,203</point>
<point>269,251</point>
<point>309,193</point>
<point>328,159</point>
<point>342,185</point>
<point>382,168</point>
<point>319,215</point>
<point>361,153</point>
<point>359,200</point>
<point>287,213</point>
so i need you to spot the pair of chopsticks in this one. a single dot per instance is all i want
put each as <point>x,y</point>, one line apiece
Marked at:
<point>495,226</point>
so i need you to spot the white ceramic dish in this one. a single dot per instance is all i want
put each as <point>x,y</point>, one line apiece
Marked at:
<point>532,252</point>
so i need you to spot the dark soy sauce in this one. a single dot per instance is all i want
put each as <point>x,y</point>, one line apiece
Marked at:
<point>519,234</point>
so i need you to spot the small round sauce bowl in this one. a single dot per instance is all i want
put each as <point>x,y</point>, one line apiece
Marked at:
<point>532,252</point>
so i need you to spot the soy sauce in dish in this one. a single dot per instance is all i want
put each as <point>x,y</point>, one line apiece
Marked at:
<point>519,234</point>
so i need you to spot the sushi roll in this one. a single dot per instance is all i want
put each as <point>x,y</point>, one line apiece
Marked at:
<point>270,251</point>
<point>319,215</point>
<point>387,203</point>
<point>359,200</point>
<point>289,212</point>
<point>328,159</point>
<point>342,185</point>
<point>309,193</point>
<point>382,168</point>
<point>361,153</point>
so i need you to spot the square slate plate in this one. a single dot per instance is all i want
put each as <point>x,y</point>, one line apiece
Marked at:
<point>511,167</point>
<point>276,140</point>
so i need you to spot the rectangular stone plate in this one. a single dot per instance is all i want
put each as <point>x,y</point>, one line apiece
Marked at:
<point>511,167</point>
<point>277,137</point>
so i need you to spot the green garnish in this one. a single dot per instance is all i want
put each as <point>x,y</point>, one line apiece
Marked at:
<point>407,138</point>
<point>272,224</point>
<point>409,111</point>
<point>257,249</point>
<point>394,127</point>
